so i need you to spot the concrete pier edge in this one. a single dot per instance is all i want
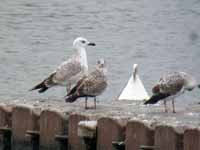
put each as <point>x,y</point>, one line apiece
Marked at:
<point>49,123</point>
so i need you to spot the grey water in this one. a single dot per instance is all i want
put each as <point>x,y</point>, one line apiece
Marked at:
<point>36,36</point>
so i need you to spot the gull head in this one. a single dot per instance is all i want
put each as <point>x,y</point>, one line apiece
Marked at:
<point>81,42</point>
<point>101,63</point>
<point>135,70</point>
<point>156,89</point>
<point>189,81</point>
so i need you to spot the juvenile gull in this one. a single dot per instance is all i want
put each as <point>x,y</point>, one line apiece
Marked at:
<point>170,86</point>
<point>70,71</point>
<point>90,86</point>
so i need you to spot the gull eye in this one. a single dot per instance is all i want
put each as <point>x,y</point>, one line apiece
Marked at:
<point>82,41</point>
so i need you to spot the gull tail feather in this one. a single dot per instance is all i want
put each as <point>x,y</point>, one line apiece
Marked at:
<point>41,86</point>
<point>157,97</point>
<point>71,98</point>
<point>45,84</point>
<point>72,91</point>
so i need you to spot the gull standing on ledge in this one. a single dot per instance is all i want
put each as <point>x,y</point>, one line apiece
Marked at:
<point>90,86</point>
<point>170,86</point>
<point>70,71</point>
<point>134,89</point>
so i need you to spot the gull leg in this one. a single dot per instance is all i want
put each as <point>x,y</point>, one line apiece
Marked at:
<point>95,100</point>
<point>68,88</point>
<point>165,105</point>
<point>173,105</point>
<point>86,102</point>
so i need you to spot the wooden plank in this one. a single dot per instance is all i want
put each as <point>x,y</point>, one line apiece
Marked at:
<point>110,130</point>
<point>137,134</point>
<point>52,123</point>
<point>167,138</point>
<point>191,139</point>
<point>23,118</point>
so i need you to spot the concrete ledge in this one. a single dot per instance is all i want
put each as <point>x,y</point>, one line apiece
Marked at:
<point>137,134</point>
<point>191,139</point>
<point>57,127</point>
<point>167,138</point>
<point>87,129</point>
<point>110,130</point>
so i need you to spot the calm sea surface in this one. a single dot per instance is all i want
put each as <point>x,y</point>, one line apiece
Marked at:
<point>36,36</point>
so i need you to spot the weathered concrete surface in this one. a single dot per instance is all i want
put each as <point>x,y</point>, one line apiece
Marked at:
<point>23,118</point>
<point>52,123</point>
<point>87,128</point>
<point>137,134</point>
<point>110,130</point>
<point>167,138</point>
<point>192,139</point>
<point>188,116</point>
<point>152,114</point>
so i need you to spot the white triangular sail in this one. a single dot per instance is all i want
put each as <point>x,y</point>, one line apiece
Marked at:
<point>134,89</point>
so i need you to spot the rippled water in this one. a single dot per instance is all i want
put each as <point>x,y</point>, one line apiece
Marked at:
<point>36,36</point>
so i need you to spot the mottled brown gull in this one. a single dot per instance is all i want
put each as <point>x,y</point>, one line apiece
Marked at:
<point>70,71</point>
<point>90,86</point>
<point>170,86</point>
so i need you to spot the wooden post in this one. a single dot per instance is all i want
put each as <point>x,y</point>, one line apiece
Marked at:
<point>74,141</point>
<point>5,127</point>
<point>5,116</point>
<point>166,138</point>
<point>191,139</point>
<point>23,118</point>
<point>138,134</point>
<point>52,123</point>
<point>110,130</point>
<point>7,133</point>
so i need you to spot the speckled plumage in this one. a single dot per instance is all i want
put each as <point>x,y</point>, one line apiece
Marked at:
<point>90,86</point>
<point>70,71</point>
<point>171,85</point>
<point>93,85</point>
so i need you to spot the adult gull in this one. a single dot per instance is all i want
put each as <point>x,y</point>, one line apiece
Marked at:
<point>70,71</point>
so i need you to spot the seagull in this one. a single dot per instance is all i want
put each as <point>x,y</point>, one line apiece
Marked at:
<point>171,86</point>
<point>134,89</point>
<point>90,86</point>
<point>70,71</point>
